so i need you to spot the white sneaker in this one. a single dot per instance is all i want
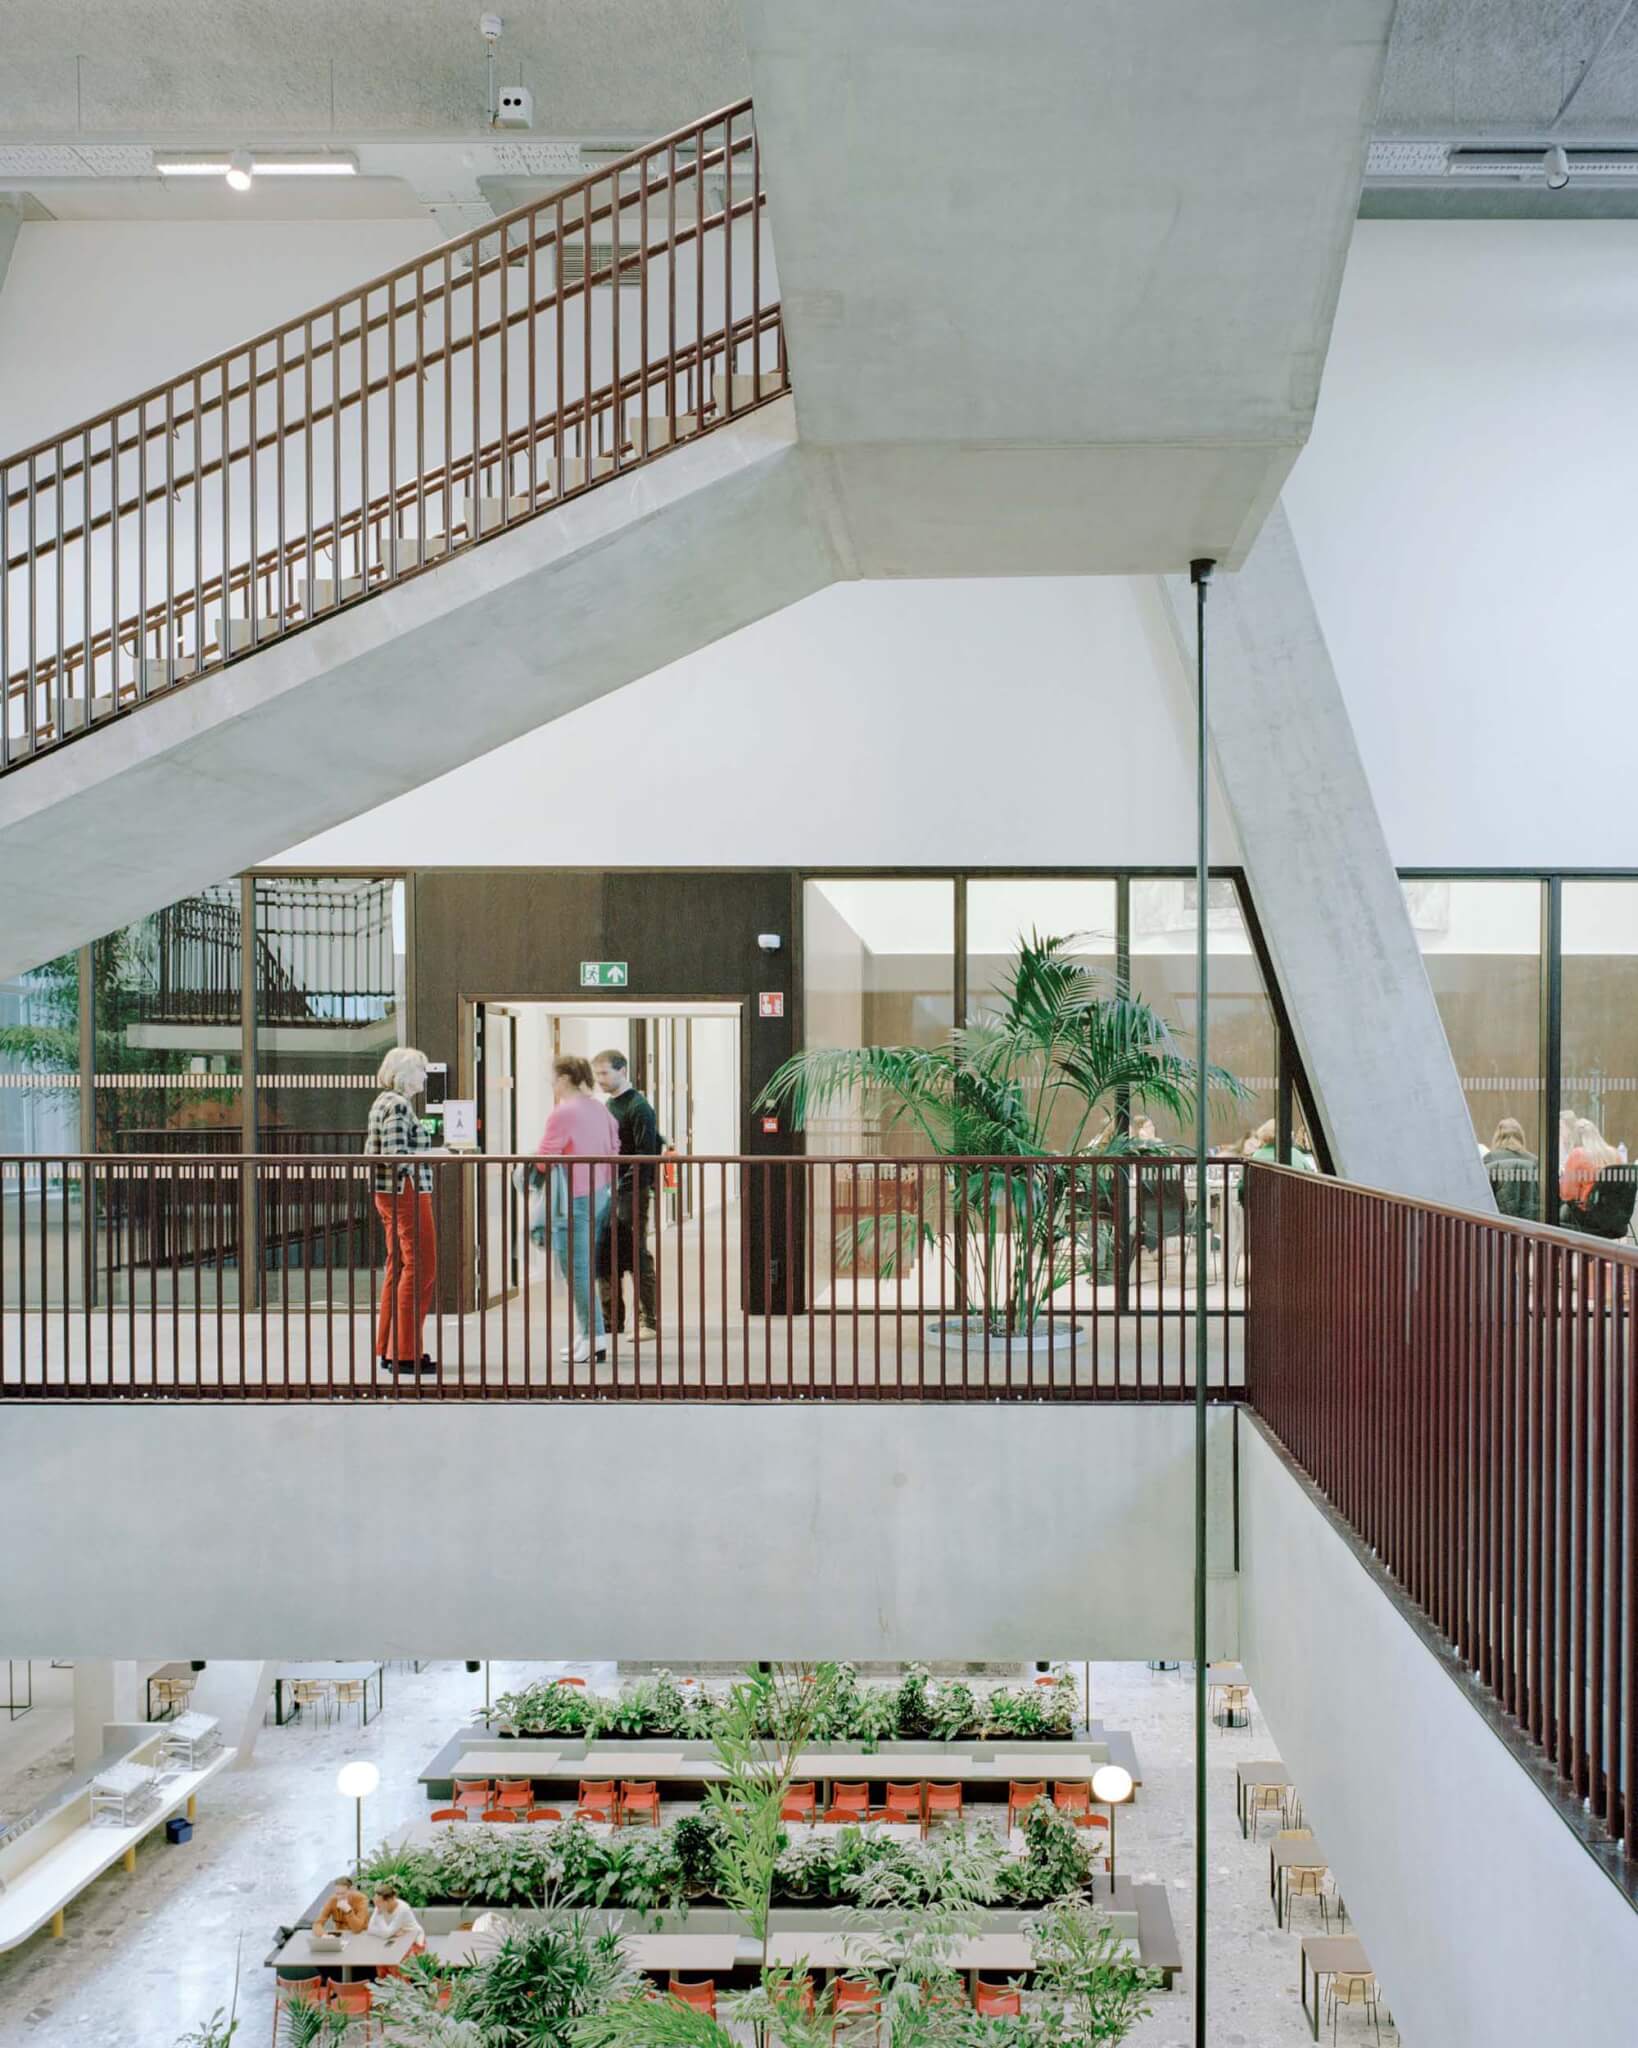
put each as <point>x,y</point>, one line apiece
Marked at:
<point>582,1352</point>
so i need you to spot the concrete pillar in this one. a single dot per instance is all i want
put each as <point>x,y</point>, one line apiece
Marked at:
<point>237,1693</point>
<point>104,1691</point>
<point>11,219</point>
<point>1323,883</point>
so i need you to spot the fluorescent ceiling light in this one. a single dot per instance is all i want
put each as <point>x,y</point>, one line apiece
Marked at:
<point>306,167</point>
<point>257,166</point>
<point>240,171</point>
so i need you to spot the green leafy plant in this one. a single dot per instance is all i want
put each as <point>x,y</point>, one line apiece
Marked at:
<point>309,2026</point>
<point>1089,1988</point>
<point>1056,1862</point>
<point>1048,1073</point>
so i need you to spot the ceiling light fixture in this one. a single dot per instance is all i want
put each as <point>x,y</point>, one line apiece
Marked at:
<point>1555,168</point>
<point>240,168</point>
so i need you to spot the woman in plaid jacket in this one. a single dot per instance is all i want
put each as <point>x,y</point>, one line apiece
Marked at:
<point>403,1201</point>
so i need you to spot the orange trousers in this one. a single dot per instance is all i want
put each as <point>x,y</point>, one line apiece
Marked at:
<point>409,1277</point>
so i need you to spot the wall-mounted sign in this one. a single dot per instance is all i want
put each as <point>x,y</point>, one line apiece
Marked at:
<point>771,1003</point>
<point>461,1121</point>
<point>770,1127</point>
<point>603,974</point>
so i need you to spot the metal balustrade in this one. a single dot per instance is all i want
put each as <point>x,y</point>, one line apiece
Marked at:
<point>1462,1390</point>
<point>784,1278</point>
<point>371,437</point>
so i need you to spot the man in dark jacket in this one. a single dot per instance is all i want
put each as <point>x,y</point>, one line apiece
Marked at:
<point>624,1248</point>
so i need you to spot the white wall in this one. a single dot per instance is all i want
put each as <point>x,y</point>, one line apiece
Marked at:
<point>1464,513</point>
<point>904,723</point>
<point>1487,1922</point>
<point>991,1531</point>
<point>94,312</point>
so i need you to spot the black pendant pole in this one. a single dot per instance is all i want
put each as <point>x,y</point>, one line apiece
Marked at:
<point>1200,576</point>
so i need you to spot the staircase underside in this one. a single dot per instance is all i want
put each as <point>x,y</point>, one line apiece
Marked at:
<point>395,690</point>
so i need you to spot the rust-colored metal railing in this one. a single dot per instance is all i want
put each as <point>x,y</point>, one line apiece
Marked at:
<point>371,437</point>
<point>1462,1389</point>
<point>780,1278</point>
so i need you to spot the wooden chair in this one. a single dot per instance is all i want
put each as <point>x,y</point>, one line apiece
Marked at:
<point>996,2001</point>
<point>1261,1799</point>
<point>355,2000</point>
<point>639,1800</point>
<point>501,1815</point>
<point>314,1693</point>
<point>702,1997</point>
<point>853,2001</point>
<point>543,1813</point>
<point>514,1792</point>
<point>945,1802</point>
<point>1073,1796</point>
<point>598,1801</point>
<point>350,1692</point>
<point>1354,1987</point>
<point>800,1803</point>
<point>1306,1881</point>
<point>172,1694</point>
<point>849,1804</point>
<point>1020,1798</point>
<point>448,1813</point>
<point>906,1806</point>
<point>473,1794</point>
<point>1231,1707</point>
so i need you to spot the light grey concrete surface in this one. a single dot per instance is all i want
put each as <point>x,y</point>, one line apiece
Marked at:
<point>1323,883</point>
<point>380,699</point>
<point>1486,1917</point>
<point>714,1530</point>
<point>1059,280</point>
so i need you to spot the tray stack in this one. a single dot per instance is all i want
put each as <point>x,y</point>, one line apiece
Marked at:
<point>191,1740</point>
<point>122,1795</point>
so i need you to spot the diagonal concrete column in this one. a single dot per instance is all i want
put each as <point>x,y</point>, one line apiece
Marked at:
<point>1324,885</point>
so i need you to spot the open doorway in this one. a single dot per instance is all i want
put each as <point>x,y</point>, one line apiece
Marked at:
<point>686,1057</point>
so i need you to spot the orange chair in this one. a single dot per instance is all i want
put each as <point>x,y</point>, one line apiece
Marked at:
<point>571,1681</point>
<point>1020,1798</point>
<point>598,1801</point>
<point>800,1803</point>
<point>355,2000</point>
<point>906,1804</point>
<point>853,1999</point>
<point>514,1792</point>
<point>944,1802</point>
<point>493,1814</point>
<point>473,1793</point>
<point>849,1803</point>
<point>448,1813</point>
<point>543,1813</point>
<point>289,1991</point>
<point>1074,1797</point>
<point>640,1799</point>
<point>702,1997</point>
<point>996,2001</point>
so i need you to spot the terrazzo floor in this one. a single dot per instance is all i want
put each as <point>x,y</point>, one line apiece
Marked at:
<point>148,1956</point>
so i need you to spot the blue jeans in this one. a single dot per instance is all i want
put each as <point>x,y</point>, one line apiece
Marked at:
<point>577,1224</point>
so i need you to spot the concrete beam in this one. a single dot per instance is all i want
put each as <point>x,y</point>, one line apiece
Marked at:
<point>105,1692</point>
<point>1324,885</point>
<point>987,1531</point>
<point>11,219</point>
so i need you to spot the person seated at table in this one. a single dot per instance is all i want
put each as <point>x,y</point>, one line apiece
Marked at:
<point>392,1917</point>
<point>346,1910</point>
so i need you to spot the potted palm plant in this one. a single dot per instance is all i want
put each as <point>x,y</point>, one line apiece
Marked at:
<point>1037,1099</point>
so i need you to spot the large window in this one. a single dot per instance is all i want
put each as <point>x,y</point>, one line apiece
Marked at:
<point>1598,1076</point>
<point>1243,1035</point>
<point>1481,945</point>
<point>878,969</point>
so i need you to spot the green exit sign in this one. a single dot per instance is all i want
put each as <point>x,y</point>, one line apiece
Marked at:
<point>603,974</point>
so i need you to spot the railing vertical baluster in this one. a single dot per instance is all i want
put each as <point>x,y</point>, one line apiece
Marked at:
<point>1593,1486</point>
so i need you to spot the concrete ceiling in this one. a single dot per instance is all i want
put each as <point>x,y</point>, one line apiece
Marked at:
<point>1499,68</point>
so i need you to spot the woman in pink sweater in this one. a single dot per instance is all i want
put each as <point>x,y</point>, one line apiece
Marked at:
<point>580,1126</point>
